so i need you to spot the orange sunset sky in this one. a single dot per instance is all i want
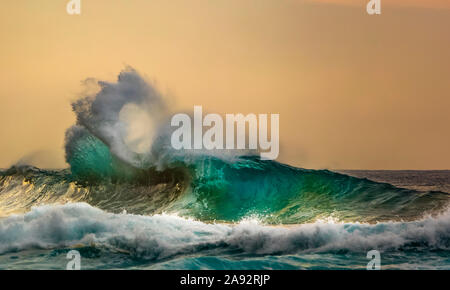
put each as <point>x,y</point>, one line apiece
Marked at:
<point>353,91</point>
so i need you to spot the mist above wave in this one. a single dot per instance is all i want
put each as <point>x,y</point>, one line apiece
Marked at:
<point>131,117</point>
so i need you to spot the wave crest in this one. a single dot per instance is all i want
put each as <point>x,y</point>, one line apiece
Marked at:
<point>160,237</point>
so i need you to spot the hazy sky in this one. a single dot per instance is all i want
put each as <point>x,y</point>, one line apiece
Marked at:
<point>352,90</point>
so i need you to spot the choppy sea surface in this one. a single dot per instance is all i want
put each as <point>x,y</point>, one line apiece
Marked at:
<point>250,214</point>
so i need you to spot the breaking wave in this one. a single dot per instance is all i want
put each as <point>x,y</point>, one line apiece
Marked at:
<point>127,192</point>
<point>160,237</point>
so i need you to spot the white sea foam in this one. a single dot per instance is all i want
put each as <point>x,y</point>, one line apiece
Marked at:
<point>162,236</point>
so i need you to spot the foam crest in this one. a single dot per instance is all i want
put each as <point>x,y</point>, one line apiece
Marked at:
<point>162,236</point>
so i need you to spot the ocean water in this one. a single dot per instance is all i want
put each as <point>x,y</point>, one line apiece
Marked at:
<point>238,219</point>
<point>420,180</point>
<point>136,203</point>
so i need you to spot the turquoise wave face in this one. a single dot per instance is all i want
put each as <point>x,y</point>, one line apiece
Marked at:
<point>90,159</point>
<point>209,188</point>
<point>279,193</point>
